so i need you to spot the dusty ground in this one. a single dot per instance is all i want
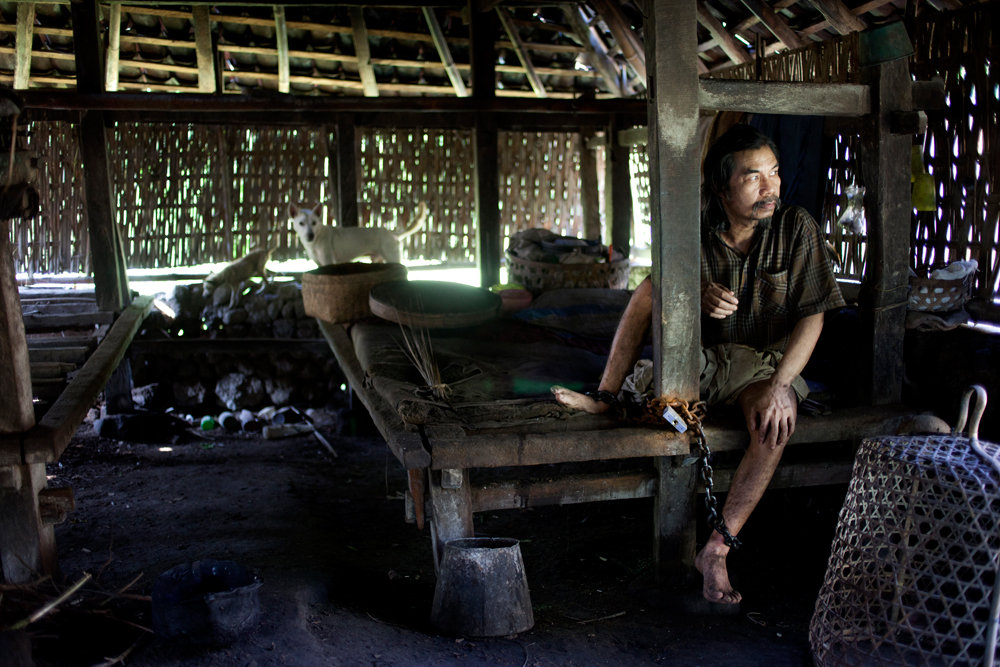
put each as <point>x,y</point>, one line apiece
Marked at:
<point>348,582</point>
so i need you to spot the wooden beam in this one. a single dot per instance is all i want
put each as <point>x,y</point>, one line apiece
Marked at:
<point>347,173</point>
<point>597,52</point>
<point>631,46</point>
<point>17,414</point>
<point>885,175</point>
<point>822,99</point>
<point>618,189</point>
<point>362,49</point>
<point>726,41</point>
<point>240,104</point>
<point>444,53</point>
<point>24,39</point>
<point>281,33</point>
<point>203,48</point>
<point>114,47</point>
<point>775,23</point>
<point>522,53</point>
<point>671,39</point>
<point>839,16</point>
<point>46,442</point>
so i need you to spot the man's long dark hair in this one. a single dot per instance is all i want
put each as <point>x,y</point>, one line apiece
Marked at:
<point>720,164</point>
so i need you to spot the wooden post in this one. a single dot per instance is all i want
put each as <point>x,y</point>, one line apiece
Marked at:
<point>362,49</point>
<point>27,545</point>
<point>482,31</point>
<point>203,48</point>
<point>25,37</point>
<point>281,32</point>
<point>589,195</point>
<point>347,170</point>
<point>110,279</point>
<point>444,53</point>
<point>886,176</point>
<point>618,189</point>
<point>451,508</point>
<point>522,53</point>
<point>674,180</point>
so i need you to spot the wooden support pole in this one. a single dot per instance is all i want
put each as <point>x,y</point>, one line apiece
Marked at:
<point>362,49</point>
<point>589,190</point>
<point>618,189</point>
<point>886,177</point>
<point>16,412</point>
<point>489,244</point>
<point>482,52</point>
<point>522,52</point>
<point>725,40</point>
<point>25,36</point>
<point>110,279</point>
<point>347,171</point>
<point>114,47</point>
<point>775,23</point>
<point>597,52</point>
<point>444,53</point>
<point>451,508</point>
<point>674,155</point>
<point>840,17</point>
<point>281,33</point>
<point>203,48</point>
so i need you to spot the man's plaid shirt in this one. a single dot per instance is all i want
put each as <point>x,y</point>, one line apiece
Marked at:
<point>786,276</point>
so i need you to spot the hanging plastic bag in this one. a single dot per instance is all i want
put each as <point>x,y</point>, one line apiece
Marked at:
<point>853,217</point>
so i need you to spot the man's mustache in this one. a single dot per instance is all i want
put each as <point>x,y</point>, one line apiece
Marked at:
<point>764,202</point>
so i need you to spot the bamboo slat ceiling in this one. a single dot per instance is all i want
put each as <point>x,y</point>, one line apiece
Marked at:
<point>553,51</point>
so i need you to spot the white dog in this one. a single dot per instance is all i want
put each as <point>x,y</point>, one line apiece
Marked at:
<point>336,245</point>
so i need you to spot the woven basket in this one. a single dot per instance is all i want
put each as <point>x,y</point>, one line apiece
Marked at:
<point>939,296</point>
<point>541,276</point>
<point>912,572</point>
<point>339,292</point>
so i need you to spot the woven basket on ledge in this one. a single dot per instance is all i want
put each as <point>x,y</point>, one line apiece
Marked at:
<point>339,292</point>
<point>939,296</point>
<point>541,276</point>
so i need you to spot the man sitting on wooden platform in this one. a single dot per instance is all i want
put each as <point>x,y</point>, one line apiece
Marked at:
<point>766,281</point>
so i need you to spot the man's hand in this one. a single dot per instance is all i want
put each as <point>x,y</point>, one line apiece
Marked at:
<point>770,409</point>
<point>717,301</point>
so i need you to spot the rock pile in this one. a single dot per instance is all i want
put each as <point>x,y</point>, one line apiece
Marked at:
<point>273,312</point>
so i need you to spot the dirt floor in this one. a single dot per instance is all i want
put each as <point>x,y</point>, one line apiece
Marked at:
<point>348,582</point>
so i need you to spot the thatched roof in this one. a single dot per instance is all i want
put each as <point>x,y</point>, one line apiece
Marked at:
<point>158,45</point>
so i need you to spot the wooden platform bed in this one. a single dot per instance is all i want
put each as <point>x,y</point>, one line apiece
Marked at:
<point>439,457</point>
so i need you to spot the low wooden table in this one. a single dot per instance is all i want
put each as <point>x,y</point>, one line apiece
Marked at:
<point>438,459</point>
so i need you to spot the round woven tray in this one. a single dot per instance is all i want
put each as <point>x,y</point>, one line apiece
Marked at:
<point>433,304</point>
<point>541,276</point>
<point>339,292</point>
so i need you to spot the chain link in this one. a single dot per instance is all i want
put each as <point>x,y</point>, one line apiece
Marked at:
<point>693,414</point>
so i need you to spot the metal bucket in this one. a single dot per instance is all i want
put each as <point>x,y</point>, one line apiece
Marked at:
<point>482,590</point>
<point>206,602</point>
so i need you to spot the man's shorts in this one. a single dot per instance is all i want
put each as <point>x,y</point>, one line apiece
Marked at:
<point>726,370</point>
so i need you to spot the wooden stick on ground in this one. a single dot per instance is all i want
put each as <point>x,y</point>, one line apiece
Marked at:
<point>50,606</point>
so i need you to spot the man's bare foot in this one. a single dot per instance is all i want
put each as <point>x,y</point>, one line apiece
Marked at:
<point>711,562</point>
<point>577,401</point>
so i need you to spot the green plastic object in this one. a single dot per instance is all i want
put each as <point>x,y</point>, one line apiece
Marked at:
<point>923,197</point>
<point>883,43</point>
<point>207,423</point>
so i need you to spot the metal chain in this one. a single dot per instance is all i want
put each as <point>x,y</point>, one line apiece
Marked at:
<point>693,414</point>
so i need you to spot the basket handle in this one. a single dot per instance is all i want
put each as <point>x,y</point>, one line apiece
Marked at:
<point>977,412</point>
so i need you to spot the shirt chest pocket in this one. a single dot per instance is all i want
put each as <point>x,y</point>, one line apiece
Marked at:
<point>771,293</point>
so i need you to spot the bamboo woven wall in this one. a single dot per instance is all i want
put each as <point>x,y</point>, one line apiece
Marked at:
<point>962,149</point>
<point>194,194</point>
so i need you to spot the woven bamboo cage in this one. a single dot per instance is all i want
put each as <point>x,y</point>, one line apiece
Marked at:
<point>912,578</point>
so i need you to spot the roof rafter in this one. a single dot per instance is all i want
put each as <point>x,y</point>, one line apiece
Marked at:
<point>596,49</point>
<point>522,53</point>
<point>775,23</point>
<point>725,40</point>
<point>362,49</point>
